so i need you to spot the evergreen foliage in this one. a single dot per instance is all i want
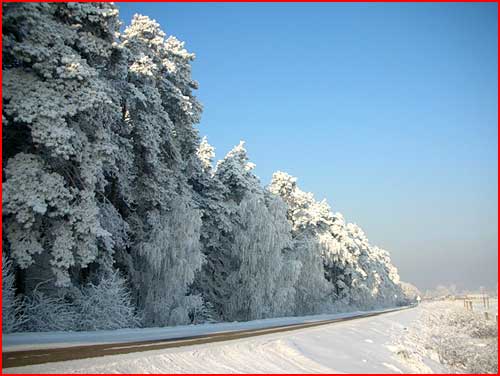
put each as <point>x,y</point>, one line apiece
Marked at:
<point>114,214</point>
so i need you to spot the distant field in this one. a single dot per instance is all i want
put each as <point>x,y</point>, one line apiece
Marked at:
<point>478,305</point>
<point>461,340</point>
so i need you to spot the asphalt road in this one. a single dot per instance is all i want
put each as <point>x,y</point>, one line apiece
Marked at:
<point>30,357</point>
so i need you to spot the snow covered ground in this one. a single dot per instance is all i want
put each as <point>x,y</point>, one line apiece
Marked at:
<point>462,341</point>
<point>387,343</point>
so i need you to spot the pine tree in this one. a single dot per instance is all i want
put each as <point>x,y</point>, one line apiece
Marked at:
<point>58,125</point>
<point>98,134</point>
<point>165,224</point>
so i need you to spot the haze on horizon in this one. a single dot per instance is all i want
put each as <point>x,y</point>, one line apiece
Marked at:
<point>389,111</point>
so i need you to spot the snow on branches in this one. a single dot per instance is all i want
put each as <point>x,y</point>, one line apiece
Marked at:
<point>113,212</point>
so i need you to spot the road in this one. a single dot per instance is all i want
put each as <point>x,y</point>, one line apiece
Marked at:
<point>40,356</point>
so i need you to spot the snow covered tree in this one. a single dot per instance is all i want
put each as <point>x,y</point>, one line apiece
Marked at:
<point>160,70</point>
<point>46,311</point>
<point>103,303</point>
<point>55,57</point>
<point>235,172</point>
<point>106,304</point>
<point>43,213</point>
<point>260,239</point>
<point>411,292</point>
<point>284,293</point>
<point>245,240</point>
<point>313,292</point>
<point>168,257</point>
<point>205,154</point>
<point>164,223</point>
<point>359,274</point>
<point>375,281</point>
<point>12,309</point>
<point>98,136</point>
<point>219,194</point>
<point>215,235</point>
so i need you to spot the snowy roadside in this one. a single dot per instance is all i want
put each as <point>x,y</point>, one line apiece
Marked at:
<point>435,337</point>
<point>359,346</point>
<point>460,340</point>
<point>45,340</point>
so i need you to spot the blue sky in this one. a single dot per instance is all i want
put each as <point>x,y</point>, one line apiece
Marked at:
<point>389,111</point>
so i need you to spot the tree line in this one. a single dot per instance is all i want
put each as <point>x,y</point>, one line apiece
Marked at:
<point>114,211</point>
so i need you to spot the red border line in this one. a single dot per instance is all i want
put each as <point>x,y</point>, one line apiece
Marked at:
<point>249,1</point>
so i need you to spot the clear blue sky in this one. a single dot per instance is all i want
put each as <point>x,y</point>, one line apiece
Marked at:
<point>389,111</point>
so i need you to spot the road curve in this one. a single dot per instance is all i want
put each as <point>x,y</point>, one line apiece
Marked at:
<point>31,357</point>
